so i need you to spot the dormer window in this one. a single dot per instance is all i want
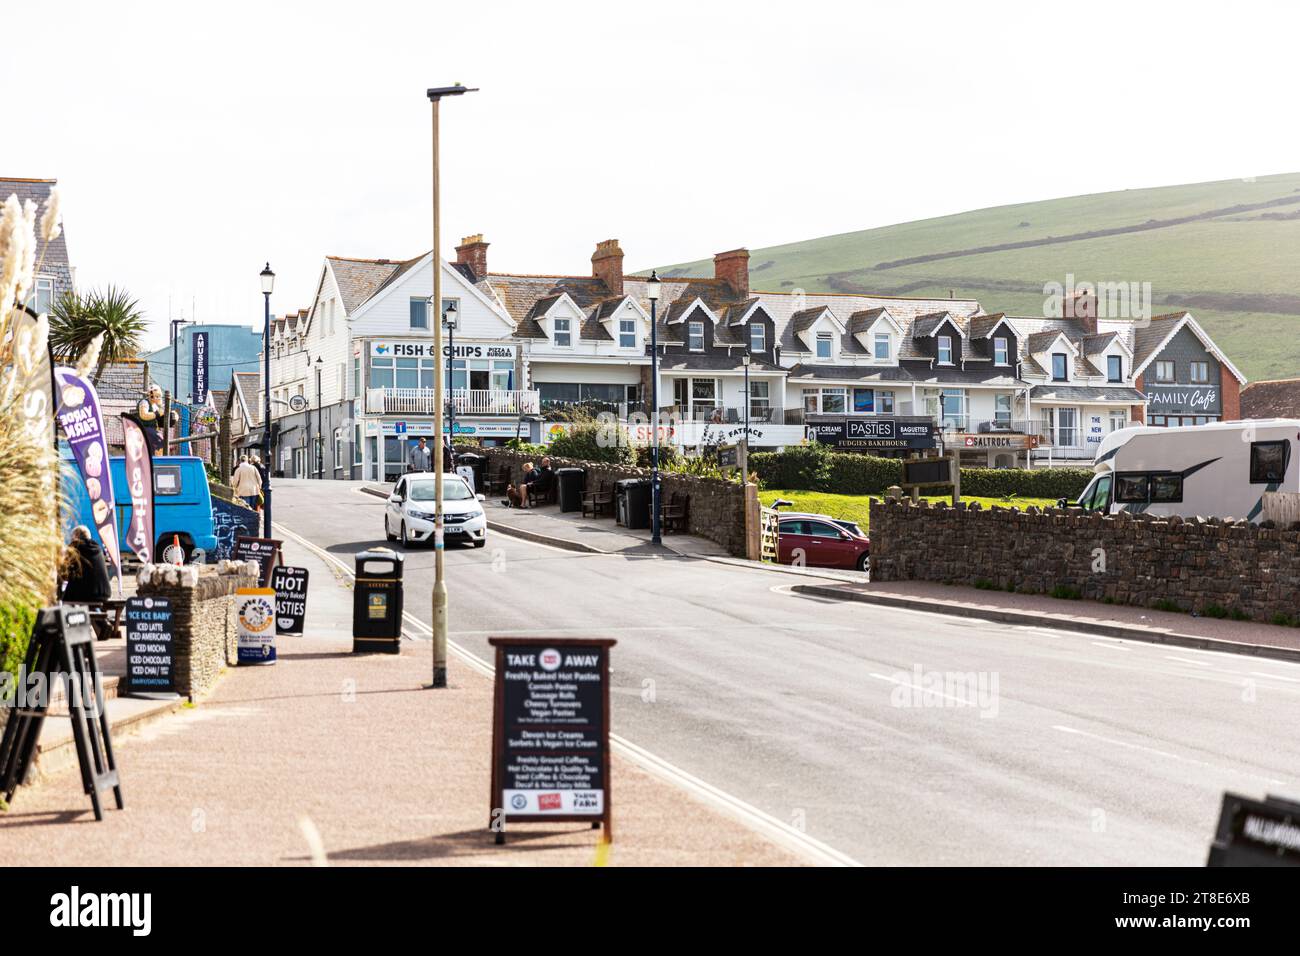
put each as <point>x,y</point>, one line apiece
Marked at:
<point>825,345</point>
<point>695,336</point>
<point>1000,352</point>
<point>627,333</point>
<point>1114,368</point>
<point>1059,367</point>
<point>882,346</point>
<point>945,350</point>
<point>757,337</point>
<point>563,337</point>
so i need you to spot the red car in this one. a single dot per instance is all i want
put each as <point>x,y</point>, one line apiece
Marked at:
<point>820,541</point>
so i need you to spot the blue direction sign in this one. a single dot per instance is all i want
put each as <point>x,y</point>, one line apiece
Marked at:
<point>399,428</point>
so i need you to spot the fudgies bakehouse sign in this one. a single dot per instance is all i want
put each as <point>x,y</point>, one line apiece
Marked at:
<point>874,433</point>
<point>550,732</point>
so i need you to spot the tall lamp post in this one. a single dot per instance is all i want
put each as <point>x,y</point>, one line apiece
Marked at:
<point>435,95</point>
<point>744,454</point>
<point>652,293</point>
<point>320,434</point>
<point>268,286</point>
<point>449,318</point>
<point>175,326</point>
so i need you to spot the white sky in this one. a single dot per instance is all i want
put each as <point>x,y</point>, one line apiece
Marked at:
<point>194,142</point>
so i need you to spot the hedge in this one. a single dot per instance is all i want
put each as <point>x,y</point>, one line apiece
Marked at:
<point>814,468</point>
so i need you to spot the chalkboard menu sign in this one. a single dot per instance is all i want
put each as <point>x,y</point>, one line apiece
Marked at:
<point>550,732</point>
<point>149,671</point>
<point>265,551</point>
<point>290,586</point>
<point>927,471</point>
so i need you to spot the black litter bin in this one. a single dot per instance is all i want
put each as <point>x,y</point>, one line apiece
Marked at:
<point>479,465</point>
<point>377,603</point>
<point>570,483</point>
<point>632,502</point>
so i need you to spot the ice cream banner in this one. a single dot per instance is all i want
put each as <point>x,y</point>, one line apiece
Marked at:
<point>83,427</point>
<point>139,483</point>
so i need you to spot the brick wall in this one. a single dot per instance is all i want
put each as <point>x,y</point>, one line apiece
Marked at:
<point>1231,389</point>
<point>1128,559</point>
<point>717,507</point>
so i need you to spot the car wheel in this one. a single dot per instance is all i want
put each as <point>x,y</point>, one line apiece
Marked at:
<point>864,561</point>
<point>388,534</point>
<point>405,541</point>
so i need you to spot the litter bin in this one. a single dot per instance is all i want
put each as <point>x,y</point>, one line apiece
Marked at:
<point>377,603</point>
<point>632,502</point>
<point>571,482</point>
<point>476,463</point>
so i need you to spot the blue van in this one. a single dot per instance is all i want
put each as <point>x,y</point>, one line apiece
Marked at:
<point>182,503</point>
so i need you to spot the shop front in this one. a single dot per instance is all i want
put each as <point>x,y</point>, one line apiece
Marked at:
<point>387,442</point>
<point>885,436</point>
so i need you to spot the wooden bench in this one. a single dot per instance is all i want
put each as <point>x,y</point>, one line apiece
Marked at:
<point>598,500</point>
<point>546,497</point>
<point>676,514</point>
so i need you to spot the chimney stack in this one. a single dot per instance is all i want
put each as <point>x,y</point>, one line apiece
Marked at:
<point>1083,309</point>
<point>733,267</point>
<point>472,252</point>
<point>607,265</point>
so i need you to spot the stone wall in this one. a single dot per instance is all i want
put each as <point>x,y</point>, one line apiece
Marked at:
<point>204,632</point>
<point>717,507</point>
<point>1196,563</point>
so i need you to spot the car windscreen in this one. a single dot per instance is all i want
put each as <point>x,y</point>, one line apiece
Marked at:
<point>453,489</point>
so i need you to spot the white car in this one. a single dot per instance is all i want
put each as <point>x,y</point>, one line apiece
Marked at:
<point>409,514</point>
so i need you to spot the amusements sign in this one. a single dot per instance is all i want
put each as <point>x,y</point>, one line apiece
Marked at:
<point>199,367</point>
<point>265,551</point>
<point>83,426</point>
<point>255,609</point>
<point>149,667</point>
<point>290,586</point>
<point>550,731</point>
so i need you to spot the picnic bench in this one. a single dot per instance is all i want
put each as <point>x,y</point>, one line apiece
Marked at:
<point>600,499</point>
<point>106,618</point>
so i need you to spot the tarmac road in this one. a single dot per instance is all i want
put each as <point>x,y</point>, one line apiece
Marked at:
<point>897,737</point>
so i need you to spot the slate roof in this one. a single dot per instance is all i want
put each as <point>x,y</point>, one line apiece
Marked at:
<point>981,326</point>
<point>927,325</point>
<point>359,279</point>
<point>1279,398</point>
<point>1118,394</point>
<point>249,386</point>
<point>805,319</point>
<point>53,260</point>
<point>1005,375</point>
<point>860,322</point>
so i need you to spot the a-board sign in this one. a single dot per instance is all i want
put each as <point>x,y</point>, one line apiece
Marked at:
<point>550,732</point>
<point>265,551</point>
<point>927,471</point>
<point>290,586</point>
<point>255,625</point>
<point>149,663</point>
<point>1256,832</point>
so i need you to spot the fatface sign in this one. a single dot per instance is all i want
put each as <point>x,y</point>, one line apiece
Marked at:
<point>1184,400</point>
<point>869,433</point>
<point>464,350</point>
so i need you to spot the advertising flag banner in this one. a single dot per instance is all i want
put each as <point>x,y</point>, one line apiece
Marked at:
<point>139,483</point>
<point>199,367</point>
<point>83,426</point>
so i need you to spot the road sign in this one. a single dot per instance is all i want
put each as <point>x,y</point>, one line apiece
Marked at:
<point>399,428</point>
<point>550,732</point>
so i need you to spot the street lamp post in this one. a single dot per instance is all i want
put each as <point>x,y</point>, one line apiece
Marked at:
<point>744,454</point>
<point>175,339</point>
<point>320,434</point>
<point>449,318</point>
<point>435,95</point>
<point>652,293</point>
<point>268,286</point>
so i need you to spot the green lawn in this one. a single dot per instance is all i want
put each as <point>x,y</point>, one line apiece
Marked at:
<point>855,507</point>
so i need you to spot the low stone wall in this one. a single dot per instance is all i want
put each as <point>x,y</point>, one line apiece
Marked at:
<point>204,630</point>
<point>1195,563</point>
<point>717,508</point>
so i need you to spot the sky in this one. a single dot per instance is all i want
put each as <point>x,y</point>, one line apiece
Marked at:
<point>196,142</point>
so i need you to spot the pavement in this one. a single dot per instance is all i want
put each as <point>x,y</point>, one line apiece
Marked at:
<point>337,758</point>
<point>892,735</point>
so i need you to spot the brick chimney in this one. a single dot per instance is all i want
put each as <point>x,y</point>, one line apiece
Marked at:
<point>607,265</point>
<point>733,267</point>
<point>472,252</point>
<point>1083,309</point>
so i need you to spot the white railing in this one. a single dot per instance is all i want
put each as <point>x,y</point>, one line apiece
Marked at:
<point>465,401</point>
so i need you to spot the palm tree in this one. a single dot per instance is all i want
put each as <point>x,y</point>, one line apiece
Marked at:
<point>75,320</point>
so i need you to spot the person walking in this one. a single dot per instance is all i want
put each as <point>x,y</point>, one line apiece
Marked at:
<point>247,481</point>
<point>85,570</point>
<point>422,456</point>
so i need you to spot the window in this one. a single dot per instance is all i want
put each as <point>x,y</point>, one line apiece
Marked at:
<point>381,373</point>
<point>338,449</point>
<point>419,313</point>
<point>864,400</point>
<point>627,333</point>
<point>945,350</point>
<point>356,444</point>
<point>408,373</point>
<point>794,526</point>
<point>42,297</point>
<point>1114,368</point>
<point>822,530</point>
<point>1099,498</point>
<point>167,479</point>
<point>1199,372</point>
<point>1059,368</point>
<point>882,346</point>
<point>1268,461</point>
<point>695,336</point>
<point>759,396</point>
<point>679,392</point>
<point>825,345</point>
<point>1118,420</point>
<point>356,376</point>
<point>1131,489</point>
<point>757,337</point>
<point>1000,352</point>
<point>833,400</point>
<point>885,403</point>
<point>953,404</point>
<point>1164,371</point>
<point>1002,409</point>
<point>1166,488</point>
<point>563,338</point>
<point>1158,421</point>
<point>1065,422</point>
<point>810,400</point>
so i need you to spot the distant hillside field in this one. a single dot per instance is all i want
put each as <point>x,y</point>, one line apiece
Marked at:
<point>1229,252</point>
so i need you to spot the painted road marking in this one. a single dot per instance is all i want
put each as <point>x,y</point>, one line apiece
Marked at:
<point>1164,753</point>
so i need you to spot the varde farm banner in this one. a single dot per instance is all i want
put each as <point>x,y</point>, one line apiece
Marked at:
<point>83,426</point>
<point>139,483</point>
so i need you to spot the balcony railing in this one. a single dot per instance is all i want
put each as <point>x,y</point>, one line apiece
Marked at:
<point>558,411</point>
<point>465,401</point>
<point>722,414</point>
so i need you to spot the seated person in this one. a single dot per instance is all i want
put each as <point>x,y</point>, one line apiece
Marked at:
<point>544,482</point>
<point>85,570</point>
<point>517,495</point>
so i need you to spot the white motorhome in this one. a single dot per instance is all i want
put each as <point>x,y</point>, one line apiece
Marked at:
<point>1219,469</point>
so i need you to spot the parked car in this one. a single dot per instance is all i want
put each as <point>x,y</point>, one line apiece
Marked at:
<point>409,516</point>
<point>182,504</point>
<point>820,541</point>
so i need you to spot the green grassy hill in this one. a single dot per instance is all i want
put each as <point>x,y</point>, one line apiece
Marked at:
<point>1229,252</point>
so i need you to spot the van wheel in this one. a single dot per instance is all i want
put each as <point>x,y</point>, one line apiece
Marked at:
<point>163,546</point>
